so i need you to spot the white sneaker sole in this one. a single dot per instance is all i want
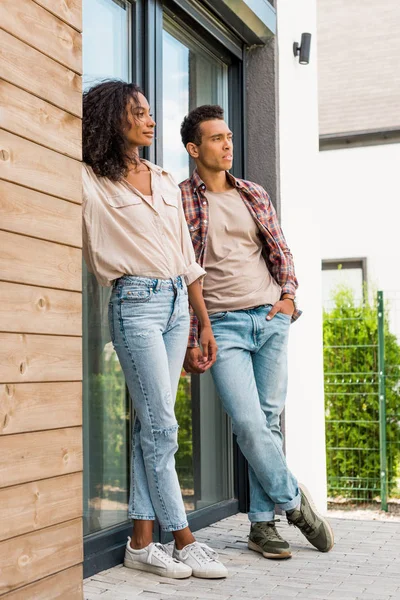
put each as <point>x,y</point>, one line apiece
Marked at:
<point>278,556</point>
<point>210,574</point>
<point>307,494</point>
<point>140,566</point>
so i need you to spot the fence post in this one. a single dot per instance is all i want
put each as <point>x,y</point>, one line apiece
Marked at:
<point>382,400</point>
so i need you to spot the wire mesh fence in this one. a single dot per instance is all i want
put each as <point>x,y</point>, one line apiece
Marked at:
<point>362,398</point>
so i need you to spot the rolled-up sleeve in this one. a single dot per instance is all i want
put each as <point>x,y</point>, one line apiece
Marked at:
<point>193,270</point>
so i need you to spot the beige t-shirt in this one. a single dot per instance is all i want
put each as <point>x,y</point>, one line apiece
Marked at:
<point>237,274</point>
<point>127,233</point>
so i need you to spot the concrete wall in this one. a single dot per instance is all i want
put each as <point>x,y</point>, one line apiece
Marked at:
<point>298,141</point>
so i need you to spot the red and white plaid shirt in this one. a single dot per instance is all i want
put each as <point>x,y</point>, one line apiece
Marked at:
<point>276,252</point>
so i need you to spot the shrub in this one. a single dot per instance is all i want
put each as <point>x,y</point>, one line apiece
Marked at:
<point>352,401</point>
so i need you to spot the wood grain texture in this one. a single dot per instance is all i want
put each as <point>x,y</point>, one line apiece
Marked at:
<point>37,27</point>
<point>69,11</point>
<point>40,406</point>
<point>31,309</point>
<point>33,506</point>
<point>36,555</point>
<point>34,166</point>
<point>67,585</point>
<point>35,214</point>
<point>28,358</point>
<point>37,262</point>
<point>32,456</point>
<point>39,121</point>
<point>36,73</point>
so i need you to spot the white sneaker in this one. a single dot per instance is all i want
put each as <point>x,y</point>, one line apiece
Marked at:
<point>154,558</point>
<point>202,559</point>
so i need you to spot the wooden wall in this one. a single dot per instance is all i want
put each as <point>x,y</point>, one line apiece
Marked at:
<point>41,300</point>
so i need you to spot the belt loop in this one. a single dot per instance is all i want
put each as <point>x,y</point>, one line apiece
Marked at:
<point>157,285</point>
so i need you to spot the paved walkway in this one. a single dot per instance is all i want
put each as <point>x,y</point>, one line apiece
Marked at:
<point>364,564</point>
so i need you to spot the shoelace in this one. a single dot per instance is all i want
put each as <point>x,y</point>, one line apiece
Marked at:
<point>161,553</point>
<point>302,523</point>
<point>269,528</point>
<point>203,553</point>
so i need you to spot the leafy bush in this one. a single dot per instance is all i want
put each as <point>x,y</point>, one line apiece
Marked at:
<point>352,401</point>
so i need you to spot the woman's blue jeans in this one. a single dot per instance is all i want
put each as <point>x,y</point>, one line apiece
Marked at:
<point>149,325</point>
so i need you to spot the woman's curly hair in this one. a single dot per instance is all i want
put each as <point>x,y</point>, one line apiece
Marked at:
<point>104,118</point>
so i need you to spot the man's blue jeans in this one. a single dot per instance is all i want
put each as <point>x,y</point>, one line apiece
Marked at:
<point>251,379</point>
<point>149,324</point>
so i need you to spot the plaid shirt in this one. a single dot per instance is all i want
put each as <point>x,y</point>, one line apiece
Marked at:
<point>276,252</point>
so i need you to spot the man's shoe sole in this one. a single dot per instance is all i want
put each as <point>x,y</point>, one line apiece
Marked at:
<point>278,556</point>
<point>139,566</point>
<point>325,521</point>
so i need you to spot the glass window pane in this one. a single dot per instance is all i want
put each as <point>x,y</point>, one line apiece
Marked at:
<point>105,40</point>
<point>192,76</point>
<point>105,402</point>
<point>333,279</point>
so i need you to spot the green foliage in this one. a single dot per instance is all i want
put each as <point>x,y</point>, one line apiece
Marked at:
<point>352,401</point>
<point>183,412</point>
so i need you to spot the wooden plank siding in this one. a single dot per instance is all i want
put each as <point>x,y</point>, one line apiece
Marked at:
<point>41,462</point>
<point>33,24</point>
<point>39,406</point>
<point>66,585</point>
<point>39,554</point>
<point>38,74</point>
<point>31,309</point>
<point>37,167</point>
<point>39,121</point>
<point>38,215</point>
<point>40,504</point>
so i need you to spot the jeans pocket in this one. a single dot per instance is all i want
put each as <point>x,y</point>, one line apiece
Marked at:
<point>218,316</point>
<point>136,294</point>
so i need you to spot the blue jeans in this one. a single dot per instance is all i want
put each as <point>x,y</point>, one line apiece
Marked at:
<point>251,379</point>
<point>149,325</point>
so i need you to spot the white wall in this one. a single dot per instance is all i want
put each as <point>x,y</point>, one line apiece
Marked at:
<point>298,122</point>
<point>359,194</point>
<point>360,203</point>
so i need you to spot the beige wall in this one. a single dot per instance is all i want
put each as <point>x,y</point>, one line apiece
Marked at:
<point>40,308</point>
<point>358,72</point>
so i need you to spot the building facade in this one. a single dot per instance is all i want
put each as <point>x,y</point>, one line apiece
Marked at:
<point>359,126</point>
<point>65,415</point>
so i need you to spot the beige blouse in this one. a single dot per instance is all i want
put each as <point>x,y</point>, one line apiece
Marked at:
<point>125,233</point>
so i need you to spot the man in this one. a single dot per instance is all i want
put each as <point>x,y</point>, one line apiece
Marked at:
<point>249,292</point>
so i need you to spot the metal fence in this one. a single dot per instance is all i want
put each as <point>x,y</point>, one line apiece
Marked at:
<point>362,398</point>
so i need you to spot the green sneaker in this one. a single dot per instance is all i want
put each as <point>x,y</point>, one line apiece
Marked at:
<point>265,539</point>
<point>311,524</point>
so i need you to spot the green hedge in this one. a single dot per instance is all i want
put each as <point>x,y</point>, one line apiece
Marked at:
<point>352,402</point>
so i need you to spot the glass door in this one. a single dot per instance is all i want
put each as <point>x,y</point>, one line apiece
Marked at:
<point>106,51</point>
<point>192,76</point>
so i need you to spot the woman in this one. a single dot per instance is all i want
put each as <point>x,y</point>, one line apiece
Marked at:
<point>136,239</point>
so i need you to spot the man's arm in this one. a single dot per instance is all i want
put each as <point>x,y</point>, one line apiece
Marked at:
<point>198,360</point>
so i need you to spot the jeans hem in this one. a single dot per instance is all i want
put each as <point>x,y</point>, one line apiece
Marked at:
<point>261,517</point>
<point>292,504</point>
<point>175,527</point>
<point>137,517</point>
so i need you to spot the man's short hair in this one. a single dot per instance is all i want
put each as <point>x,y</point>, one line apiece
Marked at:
<point>190,128</point>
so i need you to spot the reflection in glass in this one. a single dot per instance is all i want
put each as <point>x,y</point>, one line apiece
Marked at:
<point>192,76</point>
<point>105,402</point>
